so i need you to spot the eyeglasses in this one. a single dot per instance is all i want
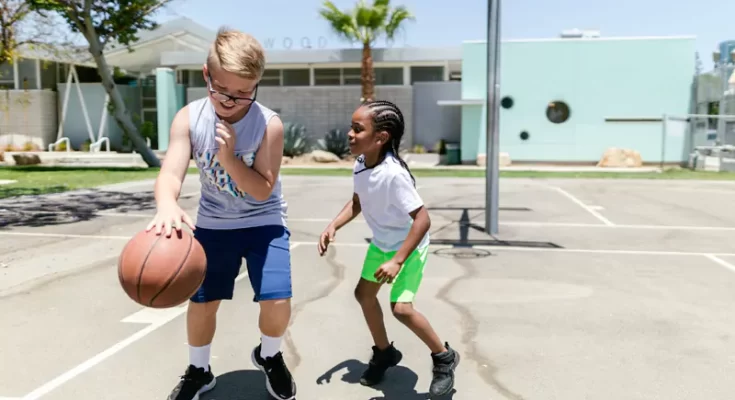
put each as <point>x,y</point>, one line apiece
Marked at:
<point>224,97</point>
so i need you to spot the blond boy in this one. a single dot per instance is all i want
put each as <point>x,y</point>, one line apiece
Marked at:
<point>237,144</point>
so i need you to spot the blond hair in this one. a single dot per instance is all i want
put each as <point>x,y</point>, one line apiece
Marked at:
<point>237,52</point>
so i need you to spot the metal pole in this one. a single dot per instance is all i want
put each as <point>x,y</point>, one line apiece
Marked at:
<point>663,141</point>
<point>492,113</point>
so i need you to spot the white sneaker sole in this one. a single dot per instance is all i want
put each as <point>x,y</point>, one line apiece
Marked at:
<point>267,382</point>
<point>205,389</point>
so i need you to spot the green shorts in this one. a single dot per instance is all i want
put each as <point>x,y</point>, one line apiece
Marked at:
<point>407,283</point>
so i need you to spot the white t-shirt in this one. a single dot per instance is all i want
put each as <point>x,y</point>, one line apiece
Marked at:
<point>387,196</point>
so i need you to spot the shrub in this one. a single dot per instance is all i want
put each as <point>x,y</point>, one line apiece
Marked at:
<point>295,141</point>
<point>30,146</point>
<point>336,142</point>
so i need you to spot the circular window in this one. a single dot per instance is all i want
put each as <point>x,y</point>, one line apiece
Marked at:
<point>506,102</point>
<point>557,112</point>
<point>524,135</point>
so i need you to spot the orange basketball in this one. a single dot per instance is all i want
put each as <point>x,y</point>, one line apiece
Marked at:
<point>161,272</point>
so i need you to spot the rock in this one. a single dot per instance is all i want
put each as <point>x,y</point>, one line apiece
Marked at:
<point>616,158</point>
<point>26,159</point>
<point>503,160</point>
<point>322,156</point>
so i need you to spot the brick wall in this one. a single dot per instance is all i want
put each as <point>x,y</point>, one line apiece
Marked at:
<point>323,108</point>
<point>28,116</point>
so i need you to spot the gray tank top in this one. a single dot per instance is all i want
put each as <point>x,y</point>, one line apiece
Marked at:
<point>222,204</point>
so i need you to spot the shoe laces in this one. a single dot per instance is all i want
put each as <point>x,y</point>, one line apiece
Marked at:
<point>192,374</point>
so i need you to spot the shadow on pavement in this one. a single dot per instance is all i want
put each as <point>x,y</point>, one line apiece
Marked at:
<point>70,207</point>
<point>399,384</point>
<point>239,385</point>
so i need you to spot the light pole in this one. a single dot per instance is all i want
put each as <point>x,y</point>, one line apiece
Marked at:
<point>492,136</point>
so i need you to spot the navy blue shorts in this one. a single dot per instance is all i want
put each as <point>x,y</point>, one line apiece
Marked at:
<point>267,256</point>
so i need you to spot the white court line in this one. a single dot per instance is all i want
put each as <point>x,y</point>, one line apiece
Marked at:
<point>117,347</point>
<point>555,250</point>
<point>600,226</point>
<point>568,225</point>
<point>502,223</point>
<point>64,235</point>
<point>495,248</point>
<point>721,262</point>
<point>584,206</point>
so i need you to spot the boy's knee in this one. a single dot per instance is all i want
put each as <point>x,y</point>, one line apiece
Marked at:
<point>203,310</point>
<point>402,311</point>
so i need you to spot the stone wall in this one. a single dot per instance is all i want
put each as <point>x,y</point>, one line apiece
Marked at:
<point>322,108</point>
<point>28,116</point>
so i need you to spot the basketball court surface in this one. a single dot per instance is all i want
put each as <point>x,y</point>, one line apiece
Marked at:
<point>594,289</point>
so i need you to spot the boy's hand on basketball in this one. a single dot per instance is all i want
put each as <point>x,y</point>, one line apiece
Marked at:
<point>226,139</point>
<point>326,238</point>
<point>168,218</point>
<point>387,272</point>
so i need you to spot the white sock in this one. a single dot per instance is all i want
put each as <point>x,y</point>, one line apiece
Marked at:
<point>199,356</point>
<point>269,346</point>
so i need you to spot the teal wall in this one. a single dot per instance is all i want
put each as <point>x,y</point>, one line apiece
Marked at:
<point>167,101</point>
<point>596,78</point>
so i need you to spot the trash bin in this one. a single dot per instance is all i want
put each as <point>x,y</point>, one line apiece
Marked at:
<point>453,154</point>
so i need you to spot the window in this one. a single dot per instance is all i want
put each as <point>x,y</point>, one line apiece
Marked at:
<point>27,74</point>
<point>557,112</point>
<point>327,76</point>
<point>7,79</point>
<point>389,76</point>
<point>271,77</point>
<point>427,74</point>
<point>351,76</point>
<point>148,92</point>
<point>196,78</point>
<point>296,77</point>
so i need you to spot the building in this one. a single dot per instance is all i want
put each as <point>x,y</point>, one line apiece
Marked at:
<point>564,99</point>
<point>569,99</point>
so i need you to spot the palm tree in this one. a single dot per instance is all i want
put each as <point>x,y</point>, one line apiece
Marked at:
<point>365,24</point>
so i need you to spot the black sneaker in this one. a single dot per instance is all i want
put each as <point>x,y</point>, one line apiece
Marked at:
<point>278,379</point>
<point>193,383</point>
<point>379,363</point>
<point>444,365</point>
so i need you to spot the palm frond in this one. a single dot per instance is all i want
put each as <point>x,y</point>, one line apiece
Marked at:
<point>396,20</point>
<point>342,23</point>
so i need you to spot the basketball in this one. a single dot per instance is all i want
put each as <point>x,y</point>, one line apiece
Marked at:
<point>161,272</point>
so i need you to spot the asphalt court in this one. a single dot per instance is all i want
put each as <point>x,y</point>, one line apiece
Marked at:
<point>604,289</point>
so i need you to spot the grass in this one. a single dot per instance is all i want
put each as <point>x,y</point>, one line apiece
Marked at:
<point>45,180</point>
<point>35,180</point>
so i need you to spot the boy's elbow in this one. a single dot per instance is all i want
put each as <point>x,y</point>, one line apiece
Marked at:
<point>263,194</point>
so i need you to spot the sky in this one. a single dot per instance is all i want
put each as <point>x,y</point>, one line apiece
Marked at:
<point>447,23</point>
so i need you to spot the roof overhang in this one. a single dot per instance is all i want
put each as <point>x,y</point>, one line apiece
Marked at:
<point>327,56</point>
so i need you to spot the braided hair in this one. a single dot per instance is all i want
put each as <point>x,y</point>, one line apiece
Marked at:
<point>388,117</point>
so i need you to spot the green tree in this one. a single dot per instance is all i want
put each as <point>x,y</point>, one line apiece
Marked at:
<point>102,23</point>
<point>364,24</point>
<point>23,28</point>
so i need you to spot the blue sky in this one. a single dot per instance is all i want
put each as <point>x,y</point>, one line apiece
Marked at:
<point>447,23</point>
